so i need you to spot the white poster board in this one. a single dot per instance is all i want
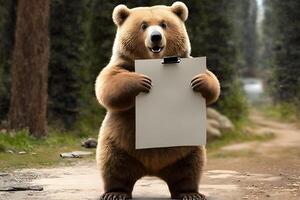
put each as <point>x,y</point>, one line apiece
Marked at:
<point>171,114</point>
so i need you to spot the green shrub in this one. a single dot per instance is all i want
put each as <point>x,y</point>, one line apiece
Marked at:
<point>234,105</point>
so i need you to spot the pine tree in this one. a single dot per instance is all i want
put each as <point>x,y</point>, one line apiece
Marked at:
<point>7,29</point>
<point>66,34</point>
<point>213,34</point>
<point>282,26</point>
<point>245,23</point>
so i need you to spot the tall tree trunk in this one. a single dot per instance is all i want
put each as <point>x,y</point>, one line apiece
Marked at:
<point>28,105</point>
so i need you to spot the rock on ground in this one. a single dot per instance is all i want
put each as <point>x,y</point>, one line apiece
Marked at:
<point>217,124</point>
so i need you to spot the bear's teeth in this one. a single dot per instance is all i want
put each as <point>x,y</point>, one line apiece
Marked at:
<point>156,49</point>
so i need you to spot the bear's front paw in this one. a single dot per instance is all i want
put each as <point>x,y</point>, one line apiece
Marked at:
<point>115,196</point>
<point>192,195</point>
<point>208,85</point>
<point>201,83</point>
<point>144,83</point>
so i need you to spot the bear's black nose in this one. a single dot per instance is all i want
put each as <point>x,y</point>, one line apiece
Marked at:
<point>155,36</point>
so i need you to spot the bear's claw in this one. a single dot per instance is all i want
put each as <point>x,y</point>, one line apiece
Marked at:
<point>200,83</point>
<point>115,196</point>
<point>191,196</point>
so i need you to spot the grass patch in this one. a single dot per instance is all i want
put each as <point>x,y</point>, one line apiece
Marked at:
<point>284,112</point>
<point>45,152</point>
<point>237,136</point>
<point>39,152</point>
<point>230,154</point>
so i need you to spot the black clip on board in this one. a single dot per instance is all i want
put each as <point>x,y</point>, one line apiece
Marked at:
<point>171,60</point>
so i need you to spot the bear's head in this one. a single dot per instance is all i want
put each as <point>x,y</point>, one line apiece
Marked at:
<point>151,32</point>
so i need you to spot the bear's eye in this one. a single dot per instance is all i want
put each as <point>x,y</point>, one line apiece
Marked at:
<point>163,25</point>
<point>144,26</point>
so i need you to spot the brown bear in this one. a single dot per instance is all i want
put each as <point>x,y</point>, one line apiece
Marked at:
<point>145,33</point>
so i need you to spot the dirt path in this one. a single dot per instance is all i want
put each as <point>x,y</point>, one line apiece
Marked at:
<point>261,170</point>
<point>254,170</point>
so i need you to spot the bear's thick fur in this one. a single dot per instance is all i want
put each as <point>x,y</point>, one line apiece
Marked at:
<point>145,33</point>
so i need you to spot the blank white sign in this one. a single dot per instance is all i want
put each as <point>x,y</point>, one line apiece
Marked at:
<point>171,114</point>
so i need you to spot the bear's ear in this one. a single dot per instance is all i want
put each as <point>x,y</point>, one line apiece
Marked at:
<point>120,13</point>
<point>180,10</point>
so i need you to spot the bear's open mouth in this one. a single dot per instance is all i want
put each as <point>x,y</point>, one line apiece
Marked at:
<point>156,49</point>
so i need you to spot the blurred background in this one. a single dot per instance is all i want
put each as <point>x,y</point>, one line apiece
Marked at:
<point>253,46</point>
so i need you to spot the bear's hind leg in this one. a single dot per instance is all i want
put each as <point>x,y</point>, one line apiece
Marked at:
<point>120,171</point>
<point>183,176</point>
